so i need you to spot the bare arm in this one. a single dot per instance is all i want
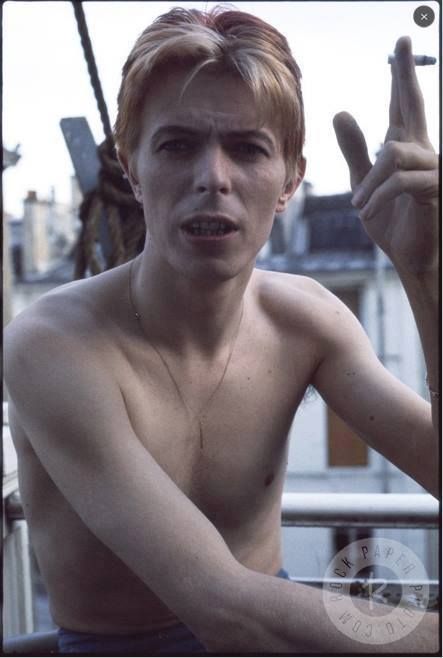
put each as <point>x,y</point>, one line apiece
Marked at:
<point>74,413</point>
<point>388,415</point>
<point>422,290</point>
<point>397,198</point>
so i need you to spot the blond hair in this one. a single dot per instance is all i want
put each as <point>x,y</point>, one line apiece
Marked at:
<point>233,40</point>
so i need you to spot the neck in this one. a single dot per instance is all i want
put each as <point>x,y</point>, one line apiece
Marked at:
<point>183,314</point>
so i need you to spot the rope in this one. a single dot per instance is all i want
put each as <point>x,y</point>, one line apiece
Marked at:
<point>112,200</point>
<point>92,68</point>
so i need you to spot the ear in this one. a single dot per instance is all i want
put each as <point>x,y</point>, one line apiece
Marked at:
<point>130,174</point>
<point>291,185</point>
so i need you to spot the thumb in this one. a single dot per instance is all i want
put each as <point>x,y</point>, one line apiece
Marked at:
<point>353,146</point>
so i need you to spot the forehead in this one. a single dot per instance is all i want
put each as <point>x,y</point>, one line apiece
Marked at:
<point>210,101</point>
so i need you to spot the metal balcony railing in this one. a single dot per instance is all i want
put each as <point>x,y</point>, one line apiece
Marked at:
<point>363,510</point>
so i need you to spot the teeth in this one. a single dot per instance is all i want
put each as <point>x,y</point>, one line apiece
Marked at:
<point>207,231</point>
<point>206,228</point>
<point>212,226</point>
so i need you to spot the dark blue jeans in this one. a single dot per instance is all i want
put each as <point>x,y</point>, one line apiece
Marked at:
<point>173,641</point>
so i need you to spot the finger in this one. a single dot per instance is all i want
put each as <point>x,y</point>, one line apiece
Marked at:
<point>416,183</point>
<point>395,116</point>
<point>394,156</point>
<point>353,146</point>
<point>410,98</point>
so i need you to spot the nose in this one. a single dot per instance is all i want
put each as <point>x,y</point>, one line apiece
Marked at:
<point>212,173</point>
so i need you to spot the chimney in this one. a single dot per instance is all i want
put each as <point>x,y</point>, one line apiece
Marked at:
<point>31,196</point>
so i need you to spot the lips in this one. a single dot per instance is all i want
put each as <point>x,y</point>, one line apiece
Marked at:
<point>209,226</point>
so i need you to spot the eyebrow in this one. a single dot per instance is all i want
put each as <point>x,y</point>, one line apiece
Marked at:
<point>191,131</point>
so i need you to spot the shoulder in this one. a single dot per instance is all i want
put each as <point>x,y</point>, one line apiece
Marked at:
<point>60,313</point>
<point>275,285</point>
<point>303,309</point>
<point>77,318</point>
<point>294,299</point>
<point>88,304</point>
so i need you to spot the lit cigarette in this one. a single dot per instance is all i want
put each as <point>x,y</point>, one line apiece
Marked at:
<point>420,60</point>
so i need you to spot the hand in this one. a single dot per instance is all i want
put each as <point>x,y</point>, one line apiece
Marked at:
<point>397,197</point>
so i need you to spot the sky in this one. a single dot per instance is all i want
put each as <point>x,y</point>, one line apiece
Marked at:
<point>341,48</point>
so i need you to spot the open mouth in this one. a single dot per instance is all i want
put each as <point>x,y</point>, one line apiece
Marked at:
<point>206,229</point>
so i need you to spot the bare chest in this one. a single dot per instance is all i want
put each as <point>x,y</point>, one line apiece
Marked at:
<point>226,451</point>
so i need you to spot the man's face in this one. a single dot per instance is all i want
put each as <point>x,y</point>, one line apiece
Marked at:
<point>209,176</point>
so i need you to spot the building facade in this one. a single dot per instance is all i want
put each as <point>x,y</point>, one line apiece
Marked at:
<point>40,247</point>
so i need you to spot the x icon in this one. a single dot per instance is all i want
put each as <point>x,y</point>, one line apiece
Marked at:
<point>424,16</point>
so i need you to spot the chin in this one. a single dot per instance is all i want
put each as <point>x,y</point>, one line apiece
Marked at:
<point>216,271</point>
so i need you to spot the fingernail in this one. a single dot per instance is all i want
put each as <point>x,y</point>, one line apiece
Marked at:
<point>357,199</point>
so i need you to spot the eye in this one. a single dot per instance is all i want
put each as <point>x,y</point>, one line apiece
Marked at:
<point>249,149</point>
<point>176,146</point>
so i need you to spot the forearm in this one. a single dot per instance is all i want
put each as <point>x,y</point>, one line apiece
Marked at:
<point>277,616</point>
<point>422,291</point>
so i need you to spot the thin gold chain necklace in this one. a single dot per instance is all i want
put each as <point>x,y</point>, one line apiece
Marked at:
<point>194,416</point>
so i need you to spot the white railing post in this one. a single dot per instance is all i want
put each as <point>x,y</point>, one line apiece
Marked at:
<point>18,615</point>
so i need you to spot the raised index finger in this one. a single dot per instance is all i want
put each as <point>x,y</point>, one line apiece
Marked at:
<point>407,105</point>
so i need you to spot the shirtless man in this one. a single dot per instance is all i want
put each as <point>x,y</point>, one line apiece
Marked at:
<point>150,405</point>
